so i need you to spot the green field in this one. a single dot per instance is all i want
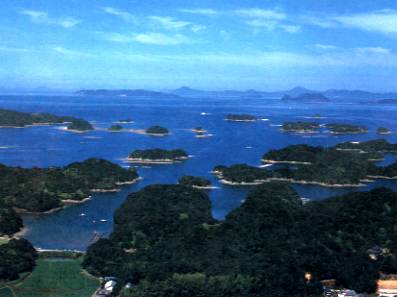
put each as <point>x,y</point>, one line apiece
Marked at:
<point>53,278</point>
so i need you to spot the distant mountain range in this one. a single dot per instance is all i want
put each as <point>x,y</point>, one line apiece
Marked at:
<point>295,94</point>
<point>331,94</point>
<point>126,93</point>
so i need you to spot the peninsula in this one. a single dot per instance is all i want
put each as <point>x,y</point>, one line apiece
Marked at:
<point>17,119</point>
<point>39,190</point>
<point>157,156</point>
<point>268,244</point>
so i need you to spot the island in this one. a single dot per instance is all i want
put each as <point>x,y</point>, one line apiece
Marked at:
<point>124,121</point>
<point>346,129</point>
<point>165,242</point>
<point>241,118</point>
<point>115,128</point>
<point>344,165</point>
<point>383,131</point>
<point>300,127</point>
<point>157,156</point>
<point>42,190</point>
<point>195,182</point>
<point>79,125</point>
<point>307,98</point>
<point>199,130</point>
<point>137,93</point>
<point>17,119</point>
<point>157,131</point>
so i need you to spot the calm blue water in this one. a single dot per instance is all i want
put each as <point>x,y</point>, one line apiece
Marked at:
<point>231,143</point>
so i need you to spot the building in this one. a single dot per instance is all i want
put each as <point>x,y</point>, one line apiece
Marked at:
<point>387,288</point>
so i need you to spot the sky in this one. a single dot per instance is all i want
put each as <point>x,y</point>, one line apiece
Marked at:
<point>205,44</point>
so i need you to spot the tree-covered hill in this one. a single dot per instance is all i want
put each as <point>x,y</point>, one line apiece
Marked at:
<point>166,243</point>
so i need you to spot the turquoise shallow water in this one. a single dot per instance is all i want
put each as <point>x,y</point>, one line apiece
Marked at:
<point>231,143</point>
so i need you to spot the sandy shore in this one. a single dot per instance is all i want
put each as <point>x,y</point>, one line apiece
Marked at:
<point>285,162</point>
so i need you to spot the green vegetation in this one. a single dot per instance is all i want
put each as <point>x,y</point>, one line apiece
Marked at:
<point>241,117</point>
<point>157,130</point>
<point>300,127</point>
<point>10,118</point>
<point>10,221</point>
<point>16,256</point>
<point>383,130</point>
<point>158,155</point>
<point>80,125</point>
<point>263,248</point>
<point>346,164</point>
<point>346,128</point>
<point>115,128</point>
<point>194,181</point>
<point>55,277</point>
<point>43,189</point>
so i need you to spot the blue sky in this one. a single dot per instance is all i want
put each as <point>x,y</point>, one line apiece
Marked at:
<point>209,44</point>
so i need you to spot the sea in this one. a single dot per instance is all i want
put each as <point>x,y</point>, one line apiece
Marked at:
<point>74,227</point>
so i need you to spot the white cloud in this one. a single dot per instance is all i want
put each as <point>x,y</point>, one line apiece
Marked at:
<point>124,15</point>
<point>202,11</point>
<point>14,49</point>
<point>373,50</point>
<point>169,22</point>
<point>268,14</point>
<point>42,17</point>
<point>71,53</point>
<point>161,39</point>
<point>382,21</point>
<point>325,46</point>
<point>291,28</point>
<point>147,38</point>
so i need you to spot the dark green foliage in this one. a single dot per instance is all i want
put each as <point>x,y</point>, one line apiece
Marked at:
<point>345,164</point>
<point>383,130</point>
<point>300,127</point>
<point>346,128</point>
<point>10,221</point>
<point>166,242</point>
<point>39,189</point>
<point>157,130</point>
<point>372,146</point>
<point>80,125</point>
<point>16,256</point>
<point>158,154</point>
<point>240,117</point>
<point>115,128</point>
<point>191,181</point>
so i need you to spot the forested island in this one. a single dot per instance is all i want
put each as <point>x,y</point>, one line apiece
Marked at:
<point>344,165</point>
<point>115,128</point>
<point>157,131</point>
<point>383,130</point>
<point>11,118</point>
<point>300,127</point>
<point>166,243</point>
<point>346,129</point>
<point>195,182</point>
<point>241,118</point>
<point>80,125</point>
<point>157,156</point>
<point>39,190</point>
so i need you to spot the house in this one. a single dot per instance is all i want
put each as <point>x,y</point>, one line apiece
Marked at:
<point>109,286</point>
<point>387,288</point>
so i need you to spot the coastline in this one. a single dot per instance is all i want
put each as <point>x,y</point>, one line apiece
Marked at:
<point>269,161</point>
<point>155,161</point>
<point>293,181</point>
